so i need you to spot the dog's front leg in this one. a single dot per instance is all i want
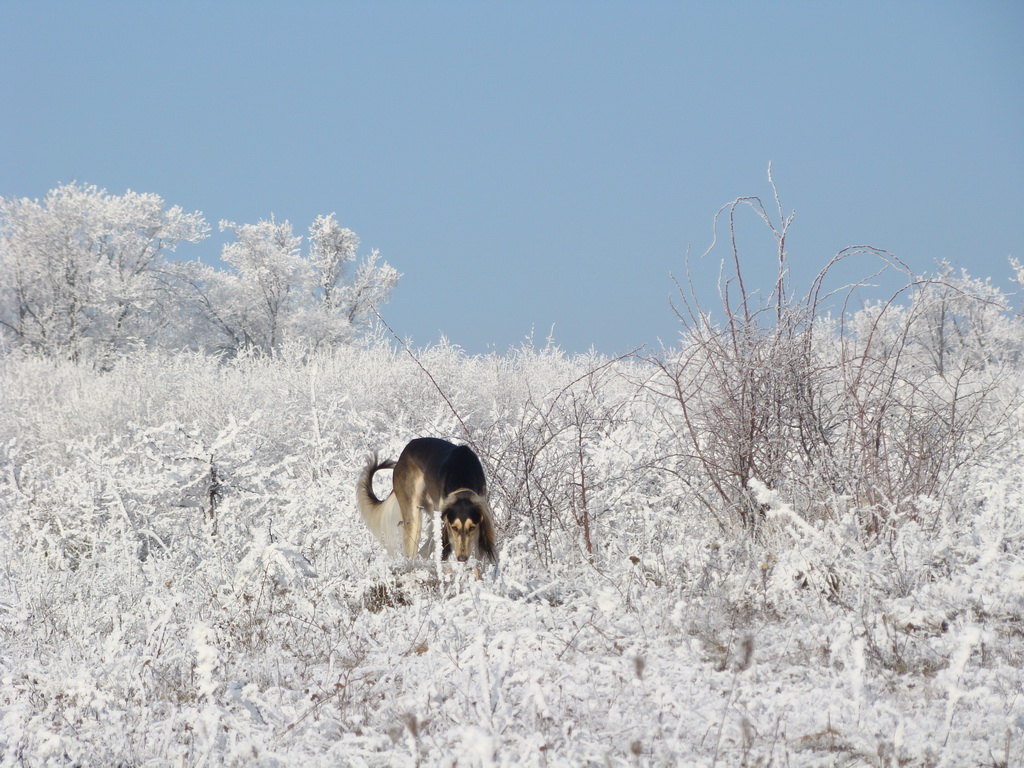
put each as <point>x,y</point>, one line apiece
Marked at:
<point>413,527</point>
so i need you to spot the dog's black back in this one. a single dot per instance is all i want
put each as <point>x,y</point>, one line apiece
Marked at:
<point>462,469</point>
<point>456,466</point>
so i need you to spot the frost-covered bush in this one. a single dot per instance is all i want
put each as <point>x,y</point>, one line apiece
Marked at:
<point>872,411</point>
<point>184,578</point>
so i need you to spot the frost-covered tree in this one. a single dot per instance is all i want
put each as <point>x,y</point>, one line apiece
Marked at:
<point>253,304</point>
<point>345,293</point>
<point>274,295</point>
<point>84,272</point>
<point>331,249</point>
<point>957,321</point>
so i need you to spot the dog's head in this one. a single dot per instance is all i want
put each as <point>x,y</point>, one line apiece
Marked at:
<point>462,520</point>
<point>467,527</point>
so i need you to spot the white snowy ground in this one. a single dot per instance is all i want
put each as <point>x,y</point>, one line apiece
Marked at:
<point>138,629</point>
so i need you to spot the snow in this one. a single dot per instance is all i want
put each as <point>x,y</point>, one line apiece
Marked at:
<point>148,617</point>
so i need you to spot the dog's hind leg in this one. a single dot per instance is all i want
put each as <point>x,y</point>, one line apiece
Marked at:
<point>413,499</point>
<point>412,524</point>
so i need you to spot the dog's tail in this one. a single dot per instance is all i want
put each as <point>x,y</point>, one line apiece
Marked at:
<point>381,517</point>
<point>364,490</point>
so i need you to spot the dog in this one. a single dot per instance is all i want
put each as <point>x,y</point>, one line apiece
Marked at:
<point>430,475</point>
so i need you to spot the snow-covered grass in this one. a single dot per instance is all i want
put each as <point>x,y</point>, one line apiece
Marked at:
<point>185,580</point>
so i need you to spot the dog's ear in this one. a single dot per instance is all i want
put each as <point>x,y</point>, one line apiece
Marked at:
<point>446,543</point>
<point>486,541</point>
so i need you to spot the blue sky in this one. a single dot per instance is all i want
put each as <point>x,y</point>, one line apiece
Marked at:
<point>532,165</point>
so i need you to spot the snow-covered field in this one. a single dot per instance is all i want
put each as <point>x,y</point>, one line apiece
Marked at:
<point>184,580</point>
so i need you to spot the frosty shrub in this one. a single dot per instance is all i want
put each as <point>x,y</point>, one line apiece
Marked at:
<point>872,410</point>
<point>184,577</point>
<point>547,450</point>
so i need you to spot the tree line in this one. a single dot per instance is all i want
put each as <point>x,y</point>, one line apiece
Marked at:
<point>85,274</point>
